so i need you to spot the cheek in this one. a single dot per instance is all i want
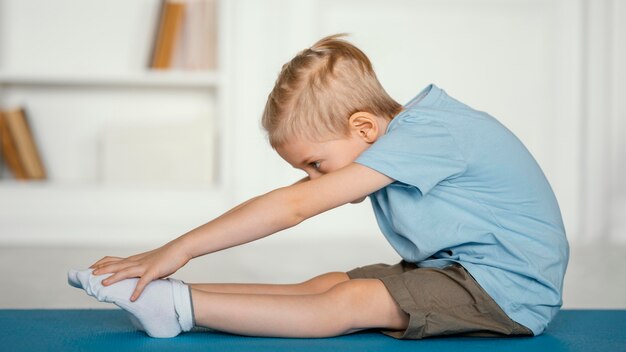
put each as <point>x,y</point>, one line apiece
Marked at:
<point>352,157</point>
<point>336,164</point>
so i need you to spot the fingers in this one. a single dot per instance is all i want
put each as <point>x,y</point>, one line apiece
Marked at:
<point>136,266</point>
<point>120,272</point>
<point>113,267</point>
<point>111,259</point>
<point>141,284</point>
<point>130,272</point>
<point>104,261</point>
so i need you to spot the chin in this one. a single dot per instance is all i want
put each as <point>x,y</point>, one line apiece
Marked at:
<point>358,200</point>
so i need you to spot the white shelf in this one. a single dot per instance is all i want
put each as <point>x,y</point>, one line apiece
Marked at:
<point>87,206</point>
<point>75,94</point>
<point>186,79</point>
<point>7,184</point>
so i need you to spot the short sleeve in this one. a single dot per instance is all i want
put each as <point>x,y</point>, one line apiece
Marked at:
<point>415,151</point>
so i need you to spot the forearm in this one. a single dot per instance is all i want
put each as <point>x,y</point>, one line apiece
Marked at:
<point>281,209</point>
<point>240,205</point>
<point>254,219</point>
<point>250,200</point>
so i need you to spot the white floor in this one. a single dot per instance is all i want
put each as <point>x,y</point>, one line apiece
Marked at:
<point>35,277</point>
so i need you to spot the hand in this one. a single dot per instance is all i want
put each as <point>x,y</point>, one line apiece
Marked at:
<point>148,266</point>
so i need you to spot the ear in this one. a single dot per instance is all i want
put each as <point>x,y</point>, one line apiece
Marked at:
<point>365,125</point>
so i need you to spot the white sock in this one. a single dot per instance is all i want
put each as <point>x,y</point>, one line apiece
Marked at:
<point>164,308</point>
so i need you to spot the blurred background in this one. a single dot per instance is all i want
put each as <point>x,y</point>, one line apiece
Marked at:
<point>145,115</point>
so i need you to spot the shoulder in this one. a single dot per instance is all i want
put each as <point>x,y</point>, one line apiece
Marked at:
<point>418,126</point>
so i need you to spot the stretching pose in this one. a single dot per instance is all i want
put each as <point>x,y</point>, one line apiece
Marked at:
<point>456,194</point>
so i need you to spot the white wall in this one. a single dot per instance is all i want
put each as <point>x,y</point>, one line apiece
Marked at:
<point>551,70</point>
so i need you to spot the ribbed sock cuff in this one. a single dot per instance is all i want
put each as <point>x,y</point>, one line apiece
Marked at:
<point>182,304</point>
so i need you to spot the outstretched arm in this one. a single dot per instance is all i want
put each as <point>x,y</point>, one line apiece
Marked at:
<point>251,199</point>
<point>283,208</point>
<point>259,217</point>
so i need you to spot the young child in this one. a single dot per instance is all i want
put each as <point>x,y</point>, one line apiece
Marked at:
<point>456,194</point>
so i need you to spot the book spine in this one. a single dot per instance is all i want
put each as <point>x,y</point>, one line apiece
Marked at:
<point>25,144</point>
<point>9,150</point>
<point>202,37</point>
<point>170,25</point>
<point>210,34</point>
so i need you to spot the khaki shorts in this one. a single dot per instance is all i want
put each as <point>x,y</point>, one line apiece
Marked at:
<point>439,302</point>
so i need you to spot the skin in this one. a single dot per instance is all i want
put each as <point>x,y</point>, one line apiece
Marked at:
<point>328,305</point>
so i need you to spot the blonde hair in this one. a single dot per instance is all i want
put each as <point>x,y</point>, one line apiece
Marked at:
<point>319,89</point>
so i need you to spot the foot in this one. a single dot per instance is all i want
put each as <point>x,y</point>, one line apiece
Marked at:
<point>155,311</point>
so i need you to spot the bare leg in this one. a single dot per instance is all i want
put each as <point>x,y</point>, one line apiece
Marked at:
<point>317,284</point>
<point>346,307</point>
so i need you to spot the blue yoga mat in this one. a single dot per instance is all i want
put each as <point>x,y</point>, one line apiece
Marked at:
<point>110,330</point>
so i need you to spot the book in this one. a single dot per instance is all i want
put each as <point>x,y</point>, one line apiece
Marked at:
<point>9,151</point>
<point>199,36</point>
<point>21,135</point>
<point>192,44</point>
<point>170,25</point>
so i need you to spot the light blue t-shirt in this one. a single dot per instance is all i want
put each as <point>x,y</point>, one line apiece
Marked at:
<point>466,190</point>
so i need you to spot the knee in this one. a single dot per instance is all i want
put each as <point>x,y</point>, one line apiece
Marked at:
<point>325,282</point>
<point>334,301</point>
<point>351,292</point>
<point>348,299</point>
<point>365,303</point>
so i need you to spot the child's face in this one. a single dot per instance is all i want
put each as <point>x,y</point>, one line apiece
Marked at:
<point>319,158</point>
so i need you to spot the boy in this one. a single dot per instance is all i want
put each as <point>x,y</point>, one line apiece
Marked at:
<point>455,193</point>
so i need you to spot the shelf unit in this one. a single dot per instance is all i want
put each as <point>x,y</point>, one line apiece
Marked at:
<point>74,205</point>
<point>172,79</point>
